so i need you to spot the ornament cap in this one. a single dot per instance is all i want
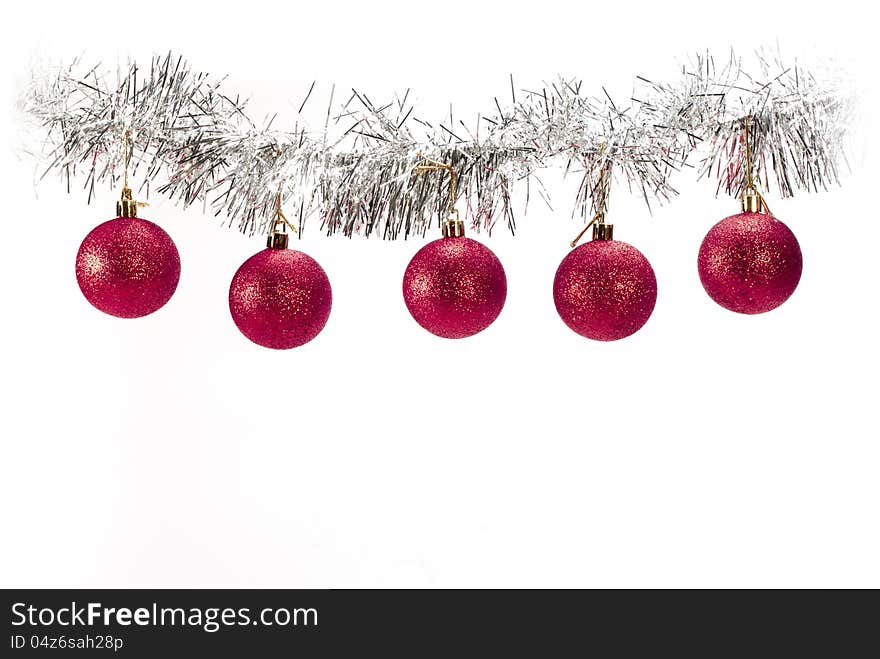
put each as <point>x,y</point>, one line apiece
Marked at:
<point>277,240</point>
<point>126,206</point>
<point>751,201</point>
<point>453,227</point>
<point>602,231</point>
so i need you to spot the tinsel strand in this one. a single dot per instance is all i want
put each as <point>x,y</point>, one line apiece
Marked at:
<point>357,176</point>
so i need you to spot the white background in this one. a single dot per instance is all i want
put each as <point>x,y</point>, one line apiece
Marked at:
<point>709,449</point>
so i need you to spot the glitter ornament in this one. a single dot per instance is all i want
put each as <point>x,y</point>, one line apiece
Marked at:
<point>750,263</point>
<point>127,267</point>
<point>605,289</point>
<point>454,287</point>
<point>280,298</point>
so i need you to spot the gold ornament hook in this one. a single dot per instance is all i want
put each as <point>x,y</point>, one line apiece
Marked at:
<point>279,239</point>
<point>453,226</point>
<point>750,199</point>
<point>127,206</point>
<point>601,230</point>
<point>596,218</point>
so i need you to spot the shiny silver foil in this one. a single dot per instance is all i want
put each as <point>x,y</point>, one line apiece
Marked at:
<point>355,175</point>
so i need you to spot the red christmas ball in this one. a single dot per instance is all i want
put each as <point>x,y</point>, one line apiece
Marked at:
<point>454,287</point>
<point>127,267</point>
<point>750,263</point>
<point>280,298</point>
<point>605,290</point>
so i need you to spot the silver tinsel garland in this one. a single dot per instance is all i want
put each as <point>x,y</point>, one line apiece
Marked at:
<point>796,121</point>
<point>357,176</point>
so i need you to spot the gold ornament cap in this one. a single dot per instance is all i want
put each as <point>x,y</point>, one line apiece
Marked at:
<point>751,201</point>
<point>277,240</point>
<point>453,227</point>
<point>602,231</point>
<point>126,206</point>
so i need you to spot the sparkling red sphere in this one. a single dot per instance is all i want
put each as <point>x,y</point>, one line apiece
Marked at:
<point>454,287</point>
<point>750,263</point>
<point>128,267</point>
<point>280,298</point>
<point>605,290</point>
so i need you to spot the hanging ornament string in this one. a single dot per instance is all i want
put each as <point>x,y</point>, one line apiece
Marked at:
<point>279,238</point>
<point>127,206</point>
<point>433,166</point>
<point>452,225</point>
<point>599,194</point>
<point>751,198</point>
<point>126,147</point>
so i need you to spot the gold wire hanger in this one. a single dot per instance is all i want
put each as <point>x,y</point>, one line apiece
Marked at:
<point>601,230</point>
<point>279,239</point>
<point>751,199</point>
<point>127,206</point>
<point>453,226</point>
